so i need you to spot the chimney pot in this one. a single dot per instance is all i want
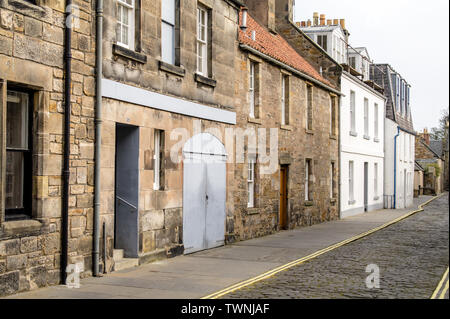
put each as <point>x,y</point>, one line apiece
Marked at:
<point>303,23</point>
<point>342,21</point>
<point>316,18</point>
<point>329,22</point>
<point>335,21</point>
<point>322,19</point>
<point>308,23</point>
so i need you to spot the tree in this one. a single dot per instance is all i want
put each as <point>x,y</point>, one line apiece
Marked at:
<point>438,133</point>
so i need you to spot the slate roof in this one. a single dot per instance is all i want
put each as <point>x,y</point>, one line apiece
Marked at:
<point>437,147</point>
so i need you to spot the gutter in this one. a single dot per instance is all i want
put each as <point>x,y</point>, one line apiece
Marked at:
<point>289,68</point>
<point>66,159</point>
<point>98,138</point>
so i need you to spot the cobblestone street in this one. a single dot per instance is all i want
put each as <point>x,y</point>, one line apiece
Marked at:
<point>412,257</point>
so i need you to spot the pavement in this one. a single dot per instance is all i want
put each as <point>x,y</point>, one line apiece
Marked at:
<point>200,274</point>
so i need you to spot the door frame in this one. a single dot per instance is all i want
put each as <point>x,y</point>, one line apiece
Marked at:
<point>283,216</point>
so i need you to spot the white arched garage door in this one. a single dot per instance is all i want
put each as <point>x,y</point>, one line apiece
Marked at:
<point>204,193</point>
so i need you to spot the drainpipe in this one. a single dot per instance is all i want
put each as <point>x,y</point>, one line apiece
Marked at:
<point>66,169</point>
<point>395,166</point>
<point>98,137</point>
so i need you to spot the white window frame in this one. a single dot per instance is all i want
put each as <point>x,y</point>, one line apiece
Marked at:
<point>123,6</point>
<point>366,117</point>
<point>169,21</point>
<point>351,186</point>
<point>352,111</point>
<point>251,89</point>
<point>251,182</point>
<point>284,106</point>
<point>202,42</point>
<point>376,121</point>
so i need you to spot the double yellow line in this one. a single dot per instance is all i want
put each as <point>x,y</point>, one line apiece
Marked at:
<point>438,288</point>
<point>297,262</point>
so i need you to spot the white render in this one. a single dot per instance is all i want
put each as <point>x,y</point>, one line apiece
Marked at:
<point>361,148</point>
<point>398,161</point>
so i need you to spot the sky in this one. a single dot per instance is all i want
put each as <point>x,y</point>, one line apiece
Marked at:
<point>410,35</point>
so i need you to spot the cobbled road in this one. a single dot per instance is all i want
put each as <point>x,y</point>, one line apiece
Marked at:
<point>412,256</point>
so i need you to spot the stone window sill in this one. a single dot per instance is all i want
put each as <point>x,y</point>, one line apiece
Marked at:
<point>170,68</point>
<point>129,54</point>
<point>309,203</point>
<point>352,202</point>
<point>254,121</point>
<point>286,127</point>
<point>354,134</point>
<point>366,137</point>
<point>376,198</point>
<point>253,211</point>
<point>333,137</point>
<point>310,132</point>
<point>205,80</point>
<point>21,227</point>
<point>376,140</point>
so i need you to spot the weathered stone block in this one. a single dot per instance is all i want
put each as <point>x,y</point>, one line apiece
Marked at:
<point>28,245</point>
<point>153,220</point>
<point>16,262</point>
<point>38,277</point>
<point>6,19</point>
<point>9,247</point>
<point>9,283</point>
<point>33,27</point>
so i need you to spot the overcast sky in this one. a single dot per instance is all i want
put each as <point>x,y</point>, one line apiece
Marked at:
<point>411,35</point>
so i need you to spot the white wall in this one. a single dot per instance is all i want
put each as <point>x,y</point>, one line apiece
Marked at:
<point>405,163</point>
<point>359,149</point>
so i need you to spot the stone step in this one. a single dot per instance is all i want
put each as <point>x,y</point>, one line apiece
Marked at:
<point>126,263</point>
<point>118,254</point>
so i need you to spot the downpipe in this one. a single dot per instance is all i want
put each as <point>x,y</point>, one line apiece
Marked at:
<point>66,159</point>
<point>98,139</point>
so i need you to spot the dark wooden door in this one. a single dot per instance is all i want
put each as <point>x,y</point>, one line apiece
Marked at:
<point>283,197</point>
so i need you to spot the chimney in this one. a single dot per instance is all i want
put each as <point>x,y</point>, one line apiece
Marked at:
<point>263,11</point>
<point>329,22</point>
<point>308,23</point>
<point>342,22</point>
<point>335,21</point>
<point>298,24</point>
<point>303,23</point>
<point>316,18</point>
<point>322,19</point>
<point>426,136</point>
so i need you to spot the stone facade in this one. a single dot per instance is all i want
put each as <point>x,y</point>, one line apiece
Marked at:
<point>31,59</point>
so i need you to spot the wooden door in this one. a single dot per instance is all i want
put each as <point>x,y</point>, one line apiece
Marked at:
<point>283,197</point>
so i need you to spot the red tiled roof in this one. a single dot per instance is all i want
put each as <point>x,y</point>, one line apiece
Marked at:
<point>277,47</point>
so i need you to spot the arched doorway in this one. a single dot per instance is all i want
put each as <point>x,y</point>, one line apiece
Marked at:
<point>204,193</point>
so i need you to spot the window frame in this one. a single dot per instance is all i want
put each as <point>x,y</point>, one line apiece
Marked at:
<point>376,121</point>
<point>366,117</point>
<point>285,99</point>
<point>26,212</point>
<point>158,158</point>
<point>309,107</point>
<point>308,174</point>
<point>351,179</point>
<point>251,166</point>
<point>131,8</point>
<point>375,179</point>
<point>352,111</point>
<point>202,43</point>
<point>252,89</point>
<point>173,25</point>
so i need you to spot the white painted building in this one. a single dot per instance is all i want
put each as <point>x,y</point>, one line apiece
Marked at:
<point>362,147</point>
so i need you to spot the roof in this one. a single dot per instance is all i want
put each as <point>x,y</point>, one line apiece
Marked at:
<point>428,147</point>
<point>437,147</point>
<point>418,167</point>
<point>275,46</point>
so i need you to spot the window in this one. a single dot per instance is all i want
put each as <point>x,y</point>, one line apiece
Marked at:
<point>333,180</point>
<point>375,121</point>
<point>366,118</point>
<point>253,90</point>
<point>308,182</point>
<point>202,41</point>
<point>251,182</point>
<point>309,108</point>
<point>285,100</point>
<point>375,180</point>
<point>351,193</point>
<point>352,112</point>
<point>322,41</point>
<point>411,148</point>
<point>352,62</point>
<point>333,111</point>
<point>18,155</point>
<point>125,23</point>
<point>168,17</point>
<point>159,160</point>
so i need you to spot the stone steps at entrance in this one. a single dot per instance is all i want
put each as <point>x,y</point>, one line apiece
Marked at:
<point>121,263</point>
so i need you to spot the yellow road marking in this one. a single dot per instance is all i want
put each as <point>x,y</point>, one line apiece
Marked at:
<point>444,291</point>
<point>438,288</point>
<point>277,270</point>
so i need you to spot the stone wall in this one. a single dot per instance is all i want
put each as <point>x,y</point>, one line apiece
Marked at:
<point>32,56</point>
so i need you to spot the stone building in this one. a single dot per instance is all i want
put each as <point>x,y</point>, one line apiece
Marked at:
<point>430,155</point>
<point>33,246</point>
<point>282,95</point>
<point>167,101</point>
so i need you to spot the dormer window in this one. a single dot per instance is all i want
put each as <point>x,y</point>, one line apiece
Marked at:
<point>322,41</point>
